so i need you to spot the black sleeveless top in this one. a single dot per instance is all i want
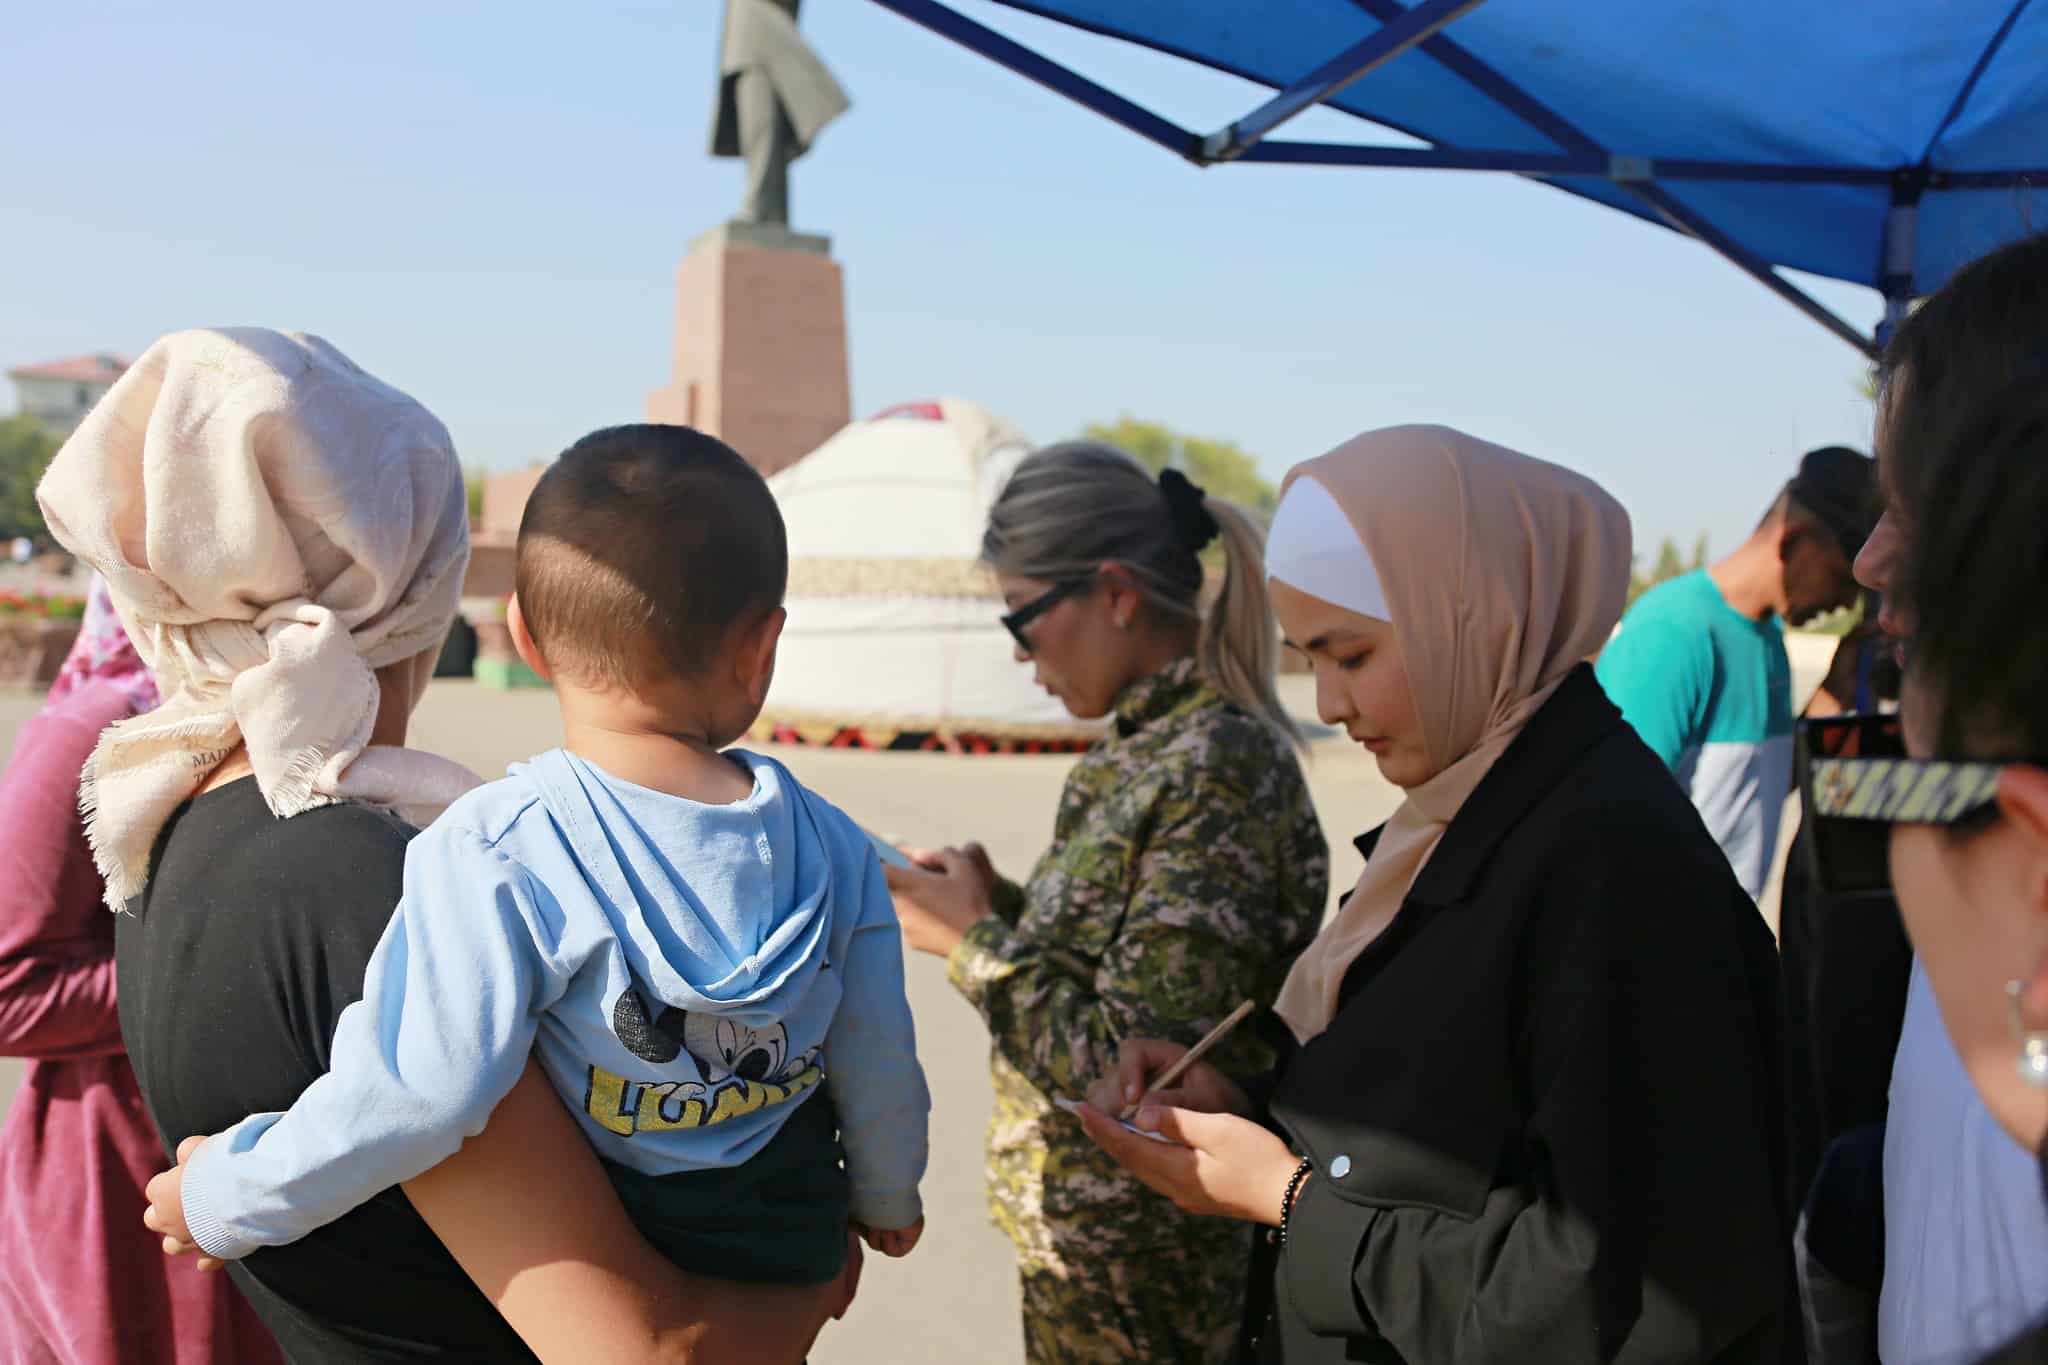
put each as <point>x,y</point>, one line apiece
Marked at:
<point>234,963</point>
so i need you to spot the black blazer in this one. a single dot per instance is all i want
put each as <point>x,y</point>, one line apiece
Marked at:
<point>1546,1122</point>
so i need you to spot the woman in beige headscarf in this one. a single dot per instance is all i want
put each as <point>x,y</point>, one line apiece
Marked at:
<point>1532,1110</point>
<point>284,537</point>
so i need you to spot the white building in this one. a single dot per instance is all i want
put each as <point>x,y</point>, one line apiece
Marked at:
<point>61,392</point>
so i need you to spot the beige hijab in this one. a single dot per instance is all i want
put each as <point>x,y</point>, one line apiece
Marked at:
<point>273,524</point>
<point>1501,574</point>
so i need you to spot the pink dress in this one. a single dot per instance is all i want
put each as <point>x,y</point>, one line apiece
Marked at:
<point>82,1282</point>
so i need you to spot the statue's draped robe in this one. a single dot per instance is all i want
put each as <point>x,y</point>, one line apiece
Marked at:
<point>761,36</point>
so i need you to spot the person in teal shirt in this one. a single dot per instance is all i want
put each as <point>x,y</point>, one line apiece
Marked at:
<point>1699,667</point>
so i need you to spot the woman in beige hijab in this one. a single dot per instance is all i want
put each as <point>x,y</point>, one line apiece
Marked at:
<point>1531,1112</point>
<point>284,537</point>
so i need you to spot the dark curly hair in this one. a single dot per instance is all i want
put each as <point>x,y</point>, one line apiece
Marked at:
<point>1980,334</point>
<point>1964,446</point>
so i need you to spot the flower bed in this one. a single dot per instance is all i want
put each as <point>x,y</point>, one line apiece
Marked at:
<point>40,607</point>
<point>35,635</point>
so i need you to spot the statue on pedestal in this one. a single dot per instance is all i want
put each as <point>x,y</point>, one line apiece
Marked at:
<point>774,97</point>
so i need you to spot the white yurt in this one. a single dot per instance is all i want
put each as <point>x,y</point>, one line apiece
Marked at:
<point>894,637</point>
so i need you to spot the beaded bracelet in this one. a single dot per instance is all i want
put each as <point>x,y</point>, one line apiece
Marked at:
<point>1293,1188</point>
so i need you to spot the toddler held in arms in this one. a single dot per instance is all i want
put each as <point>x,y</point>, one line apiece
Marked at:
<point>701,954</point>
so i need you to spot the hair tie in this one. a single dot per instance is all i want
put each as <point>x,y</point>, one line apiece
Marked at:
<point>1192,522</point>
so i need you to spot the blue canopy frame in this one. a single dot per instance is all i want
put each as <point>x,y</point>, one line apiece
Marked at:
<point>1578,155</point>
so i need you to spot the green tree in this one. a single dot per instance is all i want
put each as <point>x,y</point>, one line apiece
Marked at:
<point>25,451</point>
<point>1669,564</point>
<point>1222,467</point>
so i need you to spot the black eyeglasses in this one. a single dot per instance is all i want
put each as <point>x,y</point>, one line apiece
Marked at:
<point>1855,781</point>
<point>1016,621</point>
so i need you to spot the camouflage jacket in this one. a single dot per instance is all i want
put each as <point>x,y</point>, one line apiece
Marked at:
<point>1187,870</point>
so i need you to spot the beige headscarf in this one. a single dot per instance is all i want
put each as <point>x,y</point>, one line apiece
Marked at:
<point>1501,573</point>
<point>273,524</point>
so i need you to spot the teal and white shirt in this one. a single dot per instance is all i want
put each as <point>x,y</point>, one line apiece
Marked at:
<point>1711,691</point>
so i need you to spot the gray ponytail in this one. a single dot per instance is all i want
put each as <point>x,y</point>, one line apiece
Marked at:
<point>1072,507</point>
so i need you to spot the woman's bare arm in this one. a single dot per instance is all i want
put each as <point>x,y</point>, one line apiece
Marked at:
<point>527,1211</point>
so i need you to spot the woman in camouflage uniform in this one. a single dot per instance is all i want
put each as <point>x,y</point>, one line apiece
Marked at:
<point>1186,872</point>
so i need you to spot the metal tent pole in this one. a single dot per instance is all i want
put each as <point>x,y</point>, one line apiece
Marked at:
<point>1696,226</point>
<point>1895,277</point>
<point>1007,52</point>
<point>1403,29</point>
<point>1632,173</point>
<point>1395,36</point>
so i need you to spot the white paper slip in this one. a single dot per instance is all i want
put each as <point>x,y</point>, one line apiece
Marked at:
<point>890,855</point>
<point>1074,1107</point>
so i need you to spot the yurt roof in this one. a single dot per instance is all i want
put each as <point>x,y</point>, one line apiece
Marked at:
<point>894,626</point>
<point>897,503</point>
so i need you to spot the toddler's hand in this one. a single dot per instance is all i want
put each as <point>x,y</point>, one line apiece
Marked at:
<point>893,1241</point>
<point>166,1211</point>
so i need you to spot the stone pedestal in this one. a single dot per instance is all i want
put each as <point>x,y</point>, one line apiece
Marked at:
<point>760,344</point>
<point>493,561</point>
<point>494,534</point>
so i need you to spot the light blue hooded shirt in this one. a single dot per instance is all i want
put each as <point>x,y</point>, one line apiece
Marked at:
<point>687,975</point>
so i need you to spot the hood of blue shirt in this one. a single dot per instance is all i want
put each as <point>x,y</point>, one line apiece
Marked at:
<point>725,909</point>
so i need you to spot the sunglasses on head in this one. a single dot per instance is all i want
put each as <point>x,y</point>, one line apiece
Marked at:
<point>1016,621</point>
<point>1855,782</point>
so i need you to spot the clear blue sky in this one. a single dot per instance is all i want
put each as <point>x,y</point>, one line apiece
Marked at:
<point>485,203</point>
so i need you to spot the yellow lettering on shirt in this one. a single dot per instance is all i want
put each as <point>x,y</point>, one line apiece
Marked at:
<point>628,1107</point>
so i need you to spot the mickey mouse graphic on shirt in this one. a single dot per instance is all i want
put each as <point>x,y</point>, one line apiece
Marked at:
<point>742,1069</point>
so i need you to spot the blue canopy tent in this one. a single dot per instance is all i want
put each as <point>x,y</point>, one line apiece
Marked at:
<point>1883,142</point>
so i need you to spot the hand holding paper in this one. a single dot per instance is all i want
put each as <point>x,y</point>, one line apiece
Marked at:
<point>890,855</point>
<point>1075,1106</point>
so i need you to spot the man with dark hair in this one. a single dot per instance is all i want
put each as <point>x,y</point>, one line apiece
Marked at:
<point>1699,664</point>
